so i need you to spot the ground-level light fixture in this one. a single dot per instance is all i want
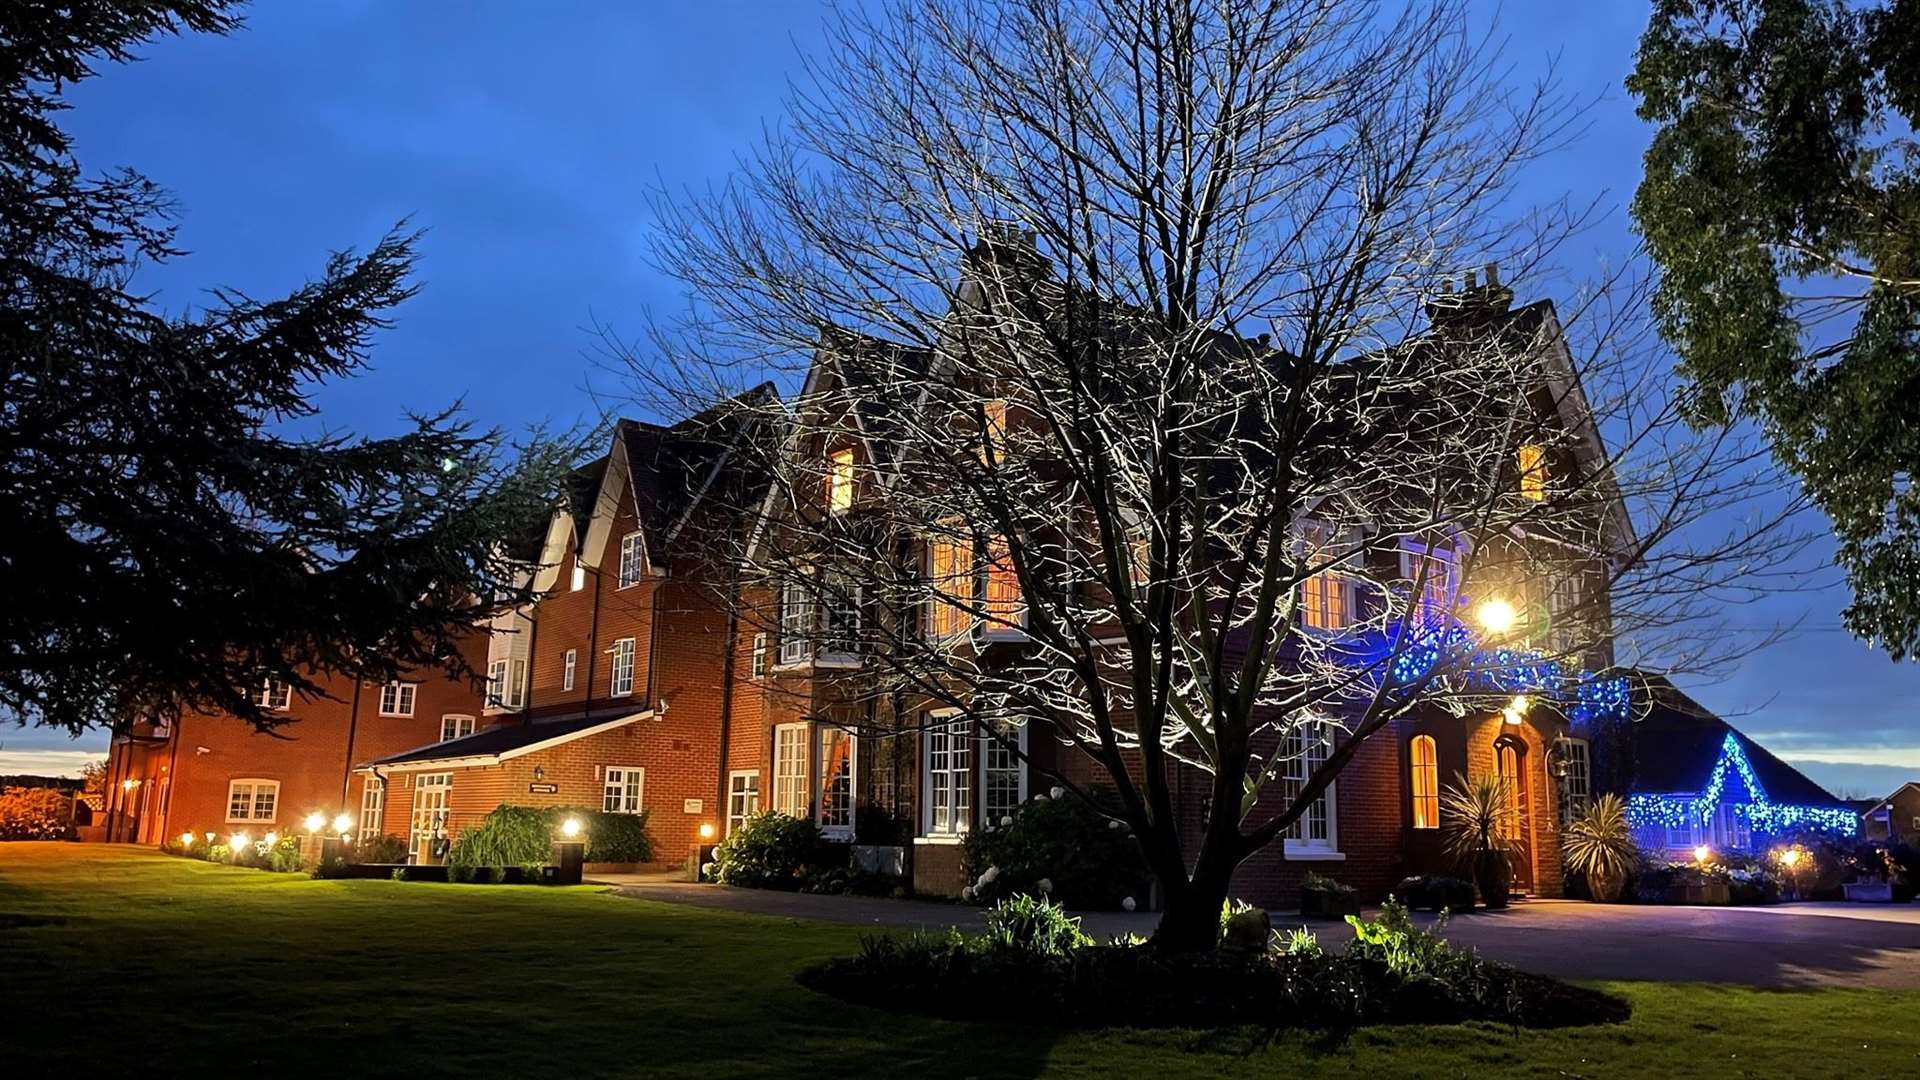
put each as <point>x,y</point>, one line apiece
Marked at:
<point>272,838</point>
<point>706,830</point>
<point>186,839</point>
<point>1790,858</point>
<point>237,841</point>
<point>570,828</point>
<point>1702,853</point>
<point>1496,616</point>
<point>342,822</point>
<point>316,821</point>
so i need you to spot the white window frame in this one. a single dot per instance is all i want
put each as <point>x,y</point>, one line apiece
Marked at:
<point>623,789</point>
<point>633,561</point>
<point>1576,786</point>
<point>1299,763</point>
<point>255,787</point>
<point>790,749</point>
<point>460,724</point>
<point>834,830</point>
<point>1444,556</point>
<point>743,800</point>
<point>274,694</point>
<point>990,746</point>
<point>946,769</point>
<point>1311,535</point>
<point>796,629</point>
<point>1563,598</point>
<point>398,698</point>
<point>758,666</point>
<point>840,623</point>
<point>373,808</point>
<point>569,663</point>
<point>620,670</point>
<point>424,821</point>
<point>497,684</point>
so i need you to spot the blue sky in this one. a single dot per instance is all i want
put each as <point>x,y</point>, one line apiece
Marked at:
<point>523,136</point>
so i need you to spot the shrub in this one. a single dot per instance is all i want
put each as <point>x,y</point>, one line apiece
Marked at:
<point>380,849</point>
<point>35,814</point>
<point>613,838</point>
<point>1301,941</point>
<point>284,856</point>
<point>1072,847</point>
<point>1034,927</point>
<point>1393,940</point>
<point>508,836</point>
<point>770,850</point>
<point>1599,846</point>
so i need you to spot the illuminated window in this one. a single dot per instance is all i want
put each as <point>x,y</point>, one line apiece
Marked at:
<point>840,481</point>
<point>1325,596</point>
<point>790,769</point>
<point>252,800</point>
<point>1532,461</point>
<point>1005,607</point>
<point>396,699</point>
<point>633,560</point>
<point>836,783</point>
<point>950,574</point>
<point>1507,763</point>
<point>620,791</point>
<point>1425,774</point>
<point>949,765</point>
<point>622,669</point>
<point>994,415</point>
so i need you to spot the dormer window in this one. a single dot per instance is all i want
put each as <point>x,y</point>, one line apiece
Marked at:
<point>633,560</point>
<point>1326,596</point>
<point>840,481</point>
<point>1531,461</point>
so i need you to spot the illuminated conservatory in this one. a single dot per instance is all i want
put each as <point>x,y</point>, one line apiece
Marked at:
<point>1697,780</point>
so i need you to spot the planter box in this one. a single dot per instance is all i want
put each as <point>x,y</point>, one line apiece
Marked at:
<point>1868,892</point>
<point>1316,904</point>
<point>1712,894</point>
<point>880,859</point>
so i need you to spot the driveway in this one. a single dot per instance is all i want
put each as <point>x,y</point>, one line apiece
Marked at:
<point>1788,945</point>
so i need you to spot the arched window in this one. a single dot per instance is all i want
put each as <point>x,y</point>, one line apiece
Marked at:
<point>1425,770</point>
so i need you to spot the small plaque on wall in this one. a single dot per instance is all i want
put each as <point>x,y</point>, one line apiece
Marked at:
<point>543,789</point>
<point>690,806</point>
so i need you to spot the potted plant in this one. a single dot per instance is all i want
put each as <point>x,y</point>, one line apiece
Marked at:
<point>1599,847</point>
<point>1476,813</point>
<point>1324,898</point>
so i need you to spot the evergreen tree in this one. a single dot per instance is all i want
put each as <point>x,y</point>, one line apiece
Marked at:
<point>169,544</point>
<point>1782,203</point>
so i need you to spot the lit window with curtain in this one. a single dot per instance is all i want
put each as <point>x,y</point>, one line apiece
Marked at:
<point>836,782</point>
<point>1531,461</point>
<point>1006,608</point>
<point>950,573</point>
<point>1424,764</point>
<point>1325,594</point>
<point>840,478</point>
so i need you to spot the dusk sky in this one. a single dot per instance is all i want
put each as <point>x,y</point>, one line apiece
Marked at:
<point>523,138</point>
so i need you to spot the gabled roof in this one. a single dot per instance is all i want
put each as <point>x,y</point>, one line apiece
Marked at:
<point>505,742</point>
<point>1875,807</point>
<point>1678,742</point>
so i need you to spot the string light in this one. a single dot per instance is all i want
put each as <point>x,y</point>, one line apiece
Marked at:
<point>1760,813</point>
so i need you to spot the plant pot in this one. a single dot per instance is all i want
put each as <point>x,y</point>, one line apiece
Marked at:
<point>1493,877</point>
<point>1320,904</point>
<point>1710,894</point>
<point>1606,889</point>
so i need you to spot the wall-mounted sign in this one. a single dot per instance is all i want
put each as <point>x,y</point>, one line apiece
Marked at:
<point>691,806</point>
<point>543,789</point>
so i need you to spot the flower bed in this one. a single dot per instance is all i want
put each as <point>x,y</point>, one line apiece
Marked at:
<point>1035,965</point>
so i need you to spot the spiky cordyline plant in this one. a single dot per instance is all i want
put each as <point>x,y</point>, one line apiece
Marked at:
<point>1599,843</point>
<point>1478,813</point>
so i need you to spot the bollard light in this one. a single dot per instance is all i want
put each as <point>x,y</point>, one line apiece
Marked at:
<point>570,828</point>
<point>272,838</point>
<point>186,839</point>
<point>706,830</point>
<point>316,821</point>
<point>1701,853</point>
<point>342,823</point>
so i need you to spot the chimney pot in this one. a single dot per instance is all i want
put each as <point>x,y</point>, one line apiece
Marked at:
<point>1493,274</point>
<point>1473,280</point>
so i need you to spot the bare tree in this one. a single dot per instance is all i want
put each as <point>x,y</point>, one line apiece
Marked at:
<point>1128,397</point>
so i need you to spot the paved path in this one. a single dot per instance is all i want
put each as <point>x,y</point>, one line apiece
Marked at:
<point>1788,945</point>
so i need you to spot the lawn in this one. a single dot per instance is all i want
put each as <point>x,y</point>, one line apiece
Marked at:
<point>121,961</point>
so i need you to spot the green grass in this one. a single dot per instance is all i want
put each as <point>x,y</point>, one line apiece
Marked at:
<point>125,962</point>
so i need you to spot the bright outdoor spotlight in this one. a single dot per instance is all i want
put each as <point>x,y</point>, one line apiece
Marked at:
<point>316,821</point>
<point>342,822</point>
<point>272,838</point>
<point>237,841</point>
<point>1513,710</point>
<point>570,828</point>
<point>1790,858</point>
<point>1701,852</point>
<point>186,839</point>
<point>1496,616</point>
<point>129,785</point>
<point>706,830</point>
